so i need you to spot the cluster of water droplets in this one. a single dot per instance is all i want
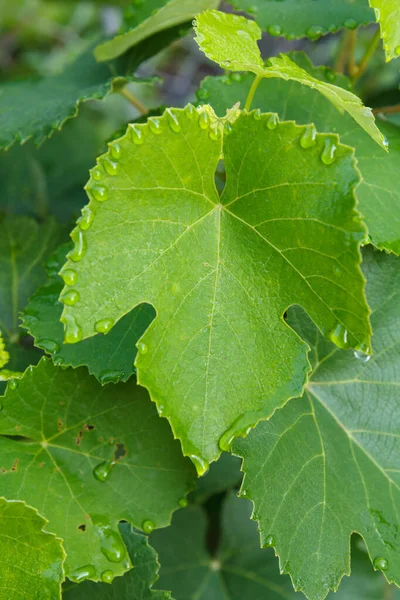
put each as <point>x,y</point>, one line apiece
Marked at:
<point>313,33</point>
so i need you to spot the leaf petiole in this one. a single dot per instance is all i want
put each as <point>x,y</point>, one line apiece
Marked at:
<point>252,91</point>
<point>126,92</point>
<point>367,56</point>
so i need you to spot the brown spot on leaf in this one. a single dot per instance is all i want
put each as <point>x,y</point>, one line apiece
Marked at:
<point>89,427</point>
<point>15,465</point>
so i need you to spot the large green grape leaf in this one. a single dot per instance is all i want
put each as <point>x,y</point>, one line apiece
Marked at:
<point>379,191</point>
<point>311,18</point>
<point>154,16</point>
<point>388,15</point>
<point>31,560</point>
<point>55,99</point>
<point>231,41</point>
<point>87,457</point>
<point>220,272</point>
<point>135,585</point>
<point>240,569</point>
<point>327,464</point>
<point>109,357</point>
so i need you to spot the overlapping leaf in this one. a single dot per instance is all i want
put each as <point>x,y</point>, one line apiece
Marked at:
<point>137,584</point>
<point>31,560</point>
<point>327,464</point>
<point>87,457</point>
<point>379,191</point>
<point>311,18</point>
<point>388,15</point>
<point>109,357</point>
<point>152,17</point>
<point>231,41</point>
<point>220,272</point>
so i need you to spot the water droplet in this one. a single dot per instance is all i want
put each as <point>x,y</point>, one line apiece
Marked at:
<point>339,336</point>
<point>97,173</point>
<point>13,384</point>
<point>142,347</point>
<point>397,50</point>
<point>49,346</point>
<point>226,440</point>
<point>329,152</point>
<point>107,576</point>
<point>272,122</point>
<point>148,526</point>
<point>69,276</point>
<point>110,376</point>
<point>201,465</point>
<point>236,76</point>
<point>110,166</point>
<point>381,564</point>
<point>72,331</point>
<point>86,219</point>
<point>204,120</point>
<point>269,542</point>
<point>155,125</point>
<point>274,30</point>
<point>173,121</point>
<point>228,128</point>
<point>103,471</point>
<point>99,193</point>
<point>183,502</point>
<point>70,297</point>
<point>104,325</point>
<point>115,151</point>
<point>202,94</point>
<point>190,111</point>
<point>243,493</point>
<point>385,142</point>
<point>111,544</point>
<point>257,114</point>
<point>330,75</point>
<point>137,134</point>
<point>82,573</point>
<point>333,28</point>
<point>214,133</point>
<point>361,356</point>
<point>350,24</point>
<point>79,249</point>
<point>167,595</point>
<point>309,137</point>
<point>314,32</point>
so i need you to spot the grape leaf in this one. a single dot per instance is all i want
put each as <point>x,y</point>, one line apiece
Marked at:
<point>379,191</point>
<point>220,272</point>
<point>226,38</point>
<point>55,99</point>
<point>388,15</point>
<point>87,457</point>
<point>134,585</point>
<point>110,358</point>
<point>327,464</point>
<point>31,563</point>
<point>312,18</point>
<point>155,16</point>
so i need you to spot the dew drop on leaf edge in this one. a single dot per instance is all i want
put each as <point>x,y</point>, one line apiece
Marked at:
<point>107,576</point>
<point>269,541</point>
<point>381,564</point>
<point>148,526</point>
<point>82,573</point>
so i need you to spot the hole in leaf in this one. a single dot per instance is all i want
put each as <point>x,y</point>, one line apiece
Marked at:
<point>120,451</point>
<point>82,527</point>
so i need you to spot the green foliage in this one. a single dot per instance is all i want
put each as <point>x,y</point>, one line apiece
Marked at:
<point>388,15</point>
<point>31,558</point>
<point>311,18</point>
<point>379,193</point>
<point>152,17</point>
<point>181,226</point>
<point>102,452</point>
<point>217,301</point>
<point>328,464</point>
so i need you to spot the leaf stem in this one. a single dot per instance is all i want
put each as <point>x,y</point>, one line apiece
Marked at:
<point>388,110</point>
<point>353,68</point>
<point>133,100</point>
<point>252,91</point>
<point>340,62</point>
<point>367,56</point>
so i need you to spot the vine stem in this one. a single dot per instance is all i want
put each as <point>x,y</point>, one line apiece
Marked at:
<point>388,110</point>
<point>252,91</point>
<point>340,62</point>
<point>134,101</point>
<point>353,68</point>
<point>367,56</point>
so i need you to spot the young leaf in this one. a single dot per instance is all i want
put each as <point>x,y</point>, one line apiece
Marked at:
<point>312,18</point>
<point>224,38</point>
<point>31,558</point>
<point>88,457</point>
<point>153,18</point>
<point>220,272</point>
<point>388,16</point>
<point>137,584</point>
<point>327,464</point>
<point>379,191</point>
<point>108,357</point>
